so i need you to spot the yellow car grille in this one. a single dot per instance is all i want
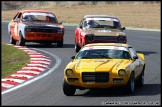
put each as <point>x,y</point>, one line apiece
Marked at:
<point>97,77</point>
<point>114,38</point>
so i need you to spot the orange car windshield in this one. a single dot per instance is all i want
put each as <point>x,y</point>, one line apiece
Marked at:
<point>38,17</point>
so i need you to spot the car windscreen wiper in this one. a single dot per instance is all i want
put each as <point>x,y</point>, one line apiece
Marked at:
<point>105,56</point>
<point>85,57</point>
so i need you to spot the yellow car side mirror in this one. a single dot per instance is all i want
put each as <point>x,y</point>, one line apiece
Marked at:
<point>141,55</point>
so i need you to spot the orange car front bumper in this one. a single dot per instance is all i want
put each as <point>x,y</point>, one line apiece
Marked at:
<point>34,36</point>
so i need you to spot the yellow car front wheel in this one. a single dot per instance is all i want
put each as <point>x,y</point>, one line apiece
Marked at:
<point>68,89</point>
<point>130,87</point>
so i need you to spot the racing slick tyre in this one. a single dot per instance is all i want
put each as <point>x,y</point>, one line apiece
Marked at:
<point>12,41</point>
<point>130,87</point>
<point>77,48</point>
<point>22,40</point>
<point>140,81</point>
<point>60,43</point>
<point>68,89</point>
<point>49,44</point>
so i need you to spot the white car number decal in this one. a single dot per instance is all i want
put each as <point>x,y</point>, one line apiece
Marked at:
<point>15,29</point>
<point>79,37</point>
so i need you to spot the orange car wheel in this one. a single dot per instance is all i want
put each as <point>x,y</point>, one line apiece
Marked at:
<point>22,40</point>
<point>12,41</point>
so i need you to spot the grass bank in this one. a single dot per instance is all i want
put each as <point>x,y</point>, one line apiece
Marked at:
<point>12,59</point>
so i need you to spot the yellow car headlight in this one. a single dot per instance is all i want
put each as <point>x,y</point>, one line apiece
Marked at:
<point>121,72</point>
<point>69,72</point>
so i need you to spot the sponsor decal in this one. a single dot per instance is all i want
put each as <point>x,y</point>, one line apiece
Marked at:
<point>91,47</point>
<point>51,25</point>
<point>104,30</point>
<point>15,29</point>
<point>106,19</point>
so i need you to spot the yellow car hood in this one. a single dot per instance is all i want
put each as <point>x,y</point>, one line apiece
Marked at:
<point>101,64</point>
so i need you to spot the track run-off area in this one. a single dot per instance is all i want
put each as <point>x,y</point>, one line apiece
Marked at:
<point>47,89</point>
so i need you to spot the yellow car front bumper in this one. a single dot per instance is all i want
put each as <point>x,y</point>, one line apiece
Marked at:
<point>99,84</point>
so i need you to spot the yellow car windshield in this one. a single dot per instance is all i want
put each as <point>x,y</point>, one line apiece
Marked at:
<point>103,53</point>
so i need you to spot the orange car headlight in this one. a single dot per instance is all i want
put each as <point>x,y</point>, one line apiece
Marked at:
<point>69,72</point>
<point>28,29</point>
<point>121,72</point>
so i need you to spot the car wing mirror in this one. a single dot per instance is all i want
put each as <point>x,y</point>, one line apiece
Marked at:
<point>123,28</point>
<point>135,57</point>
<point>60,23</point>
<point>80,26</point>
<point>73,57</point>
<point>141,55</point>
<point>17,20</point>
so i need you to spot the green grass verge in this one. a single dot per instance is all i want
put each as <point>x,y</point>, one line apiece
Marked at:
<point>12,59</point>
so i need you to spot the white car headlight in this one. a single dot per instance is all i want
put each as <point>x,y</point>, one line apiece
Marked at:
<point>121,72</point>
<point>60,31</point>
<point>69,72</point>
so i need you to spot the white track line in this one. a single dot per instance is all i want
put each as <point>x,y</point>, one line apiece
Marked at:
<point>37,56</point>
<point>16,46</point>
<point>40,59</point>
<point>23,71</point>
<point>7,85</point>
<point>38,62</point>
<point>34,53</point>
<point>22,75</point>
<point>23,48</point>
<point>37,65</point>
<point>12,79</point>
<point>58,62</point>
<point>37,68</point>
<point>29,51</point>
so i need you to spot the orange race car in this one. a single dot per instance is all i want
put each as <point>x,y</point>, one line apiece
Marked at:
<point>35,26</point>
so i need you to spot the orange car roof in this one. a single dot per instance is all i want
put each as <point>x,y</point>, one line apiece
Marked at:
<point>35,11</point>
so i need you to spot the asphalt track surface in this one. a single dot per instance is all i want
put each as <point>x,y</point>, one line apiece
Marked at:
<point>48,90</point>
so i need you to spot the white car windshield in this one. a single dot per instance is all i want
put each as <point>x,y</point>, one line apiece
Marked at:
<point>112,23</point>
<point>38,17</point>
<point>110,52</point>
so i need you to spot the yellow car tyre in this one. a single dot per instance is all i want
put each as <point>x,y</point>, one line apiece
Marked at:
<point>130,87</point>
<point>68,89</point>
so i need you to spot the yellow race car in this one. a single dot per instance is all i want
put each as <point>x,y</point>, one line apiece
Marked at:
<point>103,65</point>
